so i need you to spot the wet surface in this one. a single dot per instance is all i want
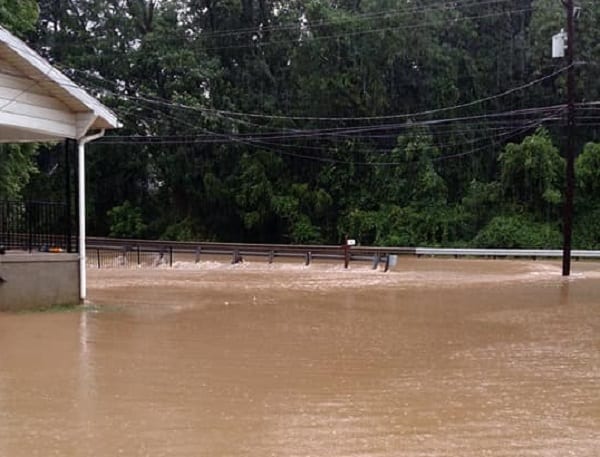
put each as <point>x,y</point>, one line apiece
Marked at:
<point>438,358</point>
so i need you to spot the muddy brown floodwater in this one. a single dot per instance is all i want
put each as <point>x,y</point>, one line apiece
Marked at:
<point>437,358</point>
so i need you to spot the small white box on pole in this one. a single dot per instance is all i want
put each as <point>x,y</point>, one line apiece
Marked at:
<point>559,44</point>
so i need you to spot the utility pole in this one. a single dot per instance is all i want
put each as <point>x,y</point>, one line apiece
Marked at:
<point>570,168</point>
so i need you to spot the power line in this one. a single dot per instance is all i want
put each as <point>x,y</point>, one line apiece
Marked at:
<point>368,31</point>
<point>160,101</point>
<point>345,131</point>
<point>260,144</point>
<point>450,5</point>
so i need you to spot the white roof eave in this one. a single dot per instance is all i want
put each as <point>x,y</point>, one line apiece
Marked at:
<point>42,70</point>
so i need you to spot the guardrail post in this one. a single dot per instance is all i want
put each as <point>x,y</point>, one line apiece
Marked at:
<point>138,255</point>
<point>236,257</point>
<point>387,263</point>
<point>271,255</point>
<point>98,257</point>
<point>198,250</point>
<point>376,260</point>
<point>308,258</point>
<point>346,254</point>
<point>170,256</point>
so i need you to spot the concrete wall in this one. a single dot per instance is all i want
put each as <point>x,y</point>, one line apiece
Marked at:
<point>40,280</point>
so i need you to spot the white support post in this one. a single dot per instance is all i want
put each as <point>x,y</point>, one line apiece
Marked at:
<point>81,181</point>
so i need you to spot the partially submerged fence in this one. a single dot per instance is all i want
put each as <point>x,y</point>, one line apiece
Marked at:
<point>36,226</point>
<point>113,253</point>
<point>128,256</point>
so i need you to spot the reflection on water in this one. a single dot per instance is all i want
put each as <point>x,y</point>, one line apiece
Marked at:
<point>440,357</point>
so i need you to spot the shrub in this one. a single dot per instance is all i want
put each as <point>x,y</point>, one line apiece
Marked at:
<point>517,232</point>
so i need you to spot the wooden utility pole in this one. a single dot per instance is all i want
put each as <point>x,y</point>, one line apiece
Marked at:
<point>570,169</point>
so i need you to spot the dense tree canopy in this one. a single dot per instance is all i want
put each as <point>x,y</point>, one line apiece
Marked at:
<point>409,123</point>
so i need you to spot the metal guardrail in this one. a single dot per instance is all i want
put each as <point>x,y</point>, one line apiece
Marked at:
<point>494,253</point>
<point>35,225</point>
<point>249,248</point>
<point>132,252</point>
<point>114,252</point>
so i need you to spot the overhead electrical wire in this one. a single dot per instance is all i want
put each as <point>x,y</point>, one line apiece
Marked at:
<point>160,101</point>
<point>357,131</point>
<point>258,140</point>
<point>264,139</point>
<point>367,16</point>
<point>413,26</point>
<point>339,131</point>
<point>504,137</point>
<point>513,134</point>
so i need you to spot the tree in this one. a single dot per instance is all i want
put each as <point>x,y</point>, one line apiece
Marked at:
<point>587,204</point>
<point>532,175</point>
<point>18,16</point>
<point>587,168</point>
<point>126,221</point>
<point>305,120</point>
<point>17,165</point>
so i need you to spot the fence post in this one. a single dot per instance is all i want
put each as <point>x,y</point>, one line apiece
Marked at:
<point>376,261</point>
<point>124,259</point>
<point>29,226</point>
<point>68,227</point>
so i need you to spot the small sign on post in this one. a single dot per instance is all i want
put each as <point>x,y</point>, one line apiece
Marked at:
<point>346,247</point>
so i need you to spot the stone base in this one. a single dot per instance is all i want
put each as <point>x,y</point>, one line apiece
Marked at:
<point>38,280</point>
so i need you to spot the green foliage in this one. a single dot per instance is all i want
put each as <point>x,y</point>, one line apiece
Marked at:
<point>17,165</point>
<point>19,16</point>
<point>181,231</point>
<point>126,221</point>
<point>480,203</point>
<point>517,232</point>
<point>587,171</point>
<point>295,209</point>
<point>586,233</point>
<point>532,173</point>
<point>392,225</point>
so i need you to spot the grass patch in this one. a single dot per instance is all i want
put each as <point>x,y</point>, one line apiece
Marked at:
<point>58,308</point>
<point>66,308</point>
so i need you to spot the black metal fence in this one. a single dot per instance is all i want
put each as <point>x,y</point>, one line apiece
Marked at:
<point>36,226</point>
<point>128,257</point>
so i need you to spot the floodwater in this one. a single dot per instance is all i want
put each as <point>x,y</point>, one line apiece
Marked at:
<point>437,358</point>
